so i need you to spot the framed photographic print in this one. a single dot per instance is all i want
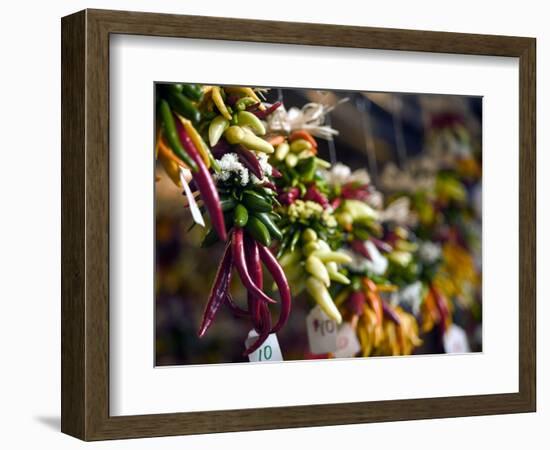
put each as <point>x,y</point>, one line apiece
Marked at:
<point>284,225</point>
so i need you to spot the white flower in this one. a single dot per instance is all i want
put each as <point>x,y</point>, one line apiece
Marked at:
<point>397,211</point>
<point>411,296</point>
<point>266,168</point>
<point>341,174</point>
<point>377,265</point>
<point>230,165</point>
<point>429,252</point>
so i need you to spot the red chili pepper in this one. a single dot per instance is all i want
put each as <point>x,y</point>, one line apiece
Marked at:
<point>221,148</point>
<point>279,277</point>
<point>359,246</point>
<point>264,332</point>
<point>206,185</point>
<point>234,308</point>
<point>253,108</point>
<point>254,265</point>
<point>217,292</point>
<point>249,160</point>
<point>390,313</point>
<point>269,185</point>
<point>290,196</point>
<point>240,263</point>
<point>381,245</point>
<point>314,195</point>
<point>303,134</point>
<point>442,308</point>
<point>266,112</point>
<point>336,203</point>
<point>356,302</point>
<point>275,173</point>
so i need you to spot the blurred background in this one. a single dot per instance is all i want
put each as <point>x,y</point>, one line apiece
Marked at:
<point>406,141</point>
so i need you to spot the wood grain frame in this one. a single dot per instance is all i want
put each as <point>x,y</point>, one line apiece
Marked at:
<point>85,224</point>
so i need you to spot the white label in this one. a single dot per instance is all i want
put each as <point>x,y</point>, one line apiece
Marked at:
<point>195,211</point>
<point>455,340</point>
<point>268,351</point>
<point>321,332</point>
<point>347,342</point>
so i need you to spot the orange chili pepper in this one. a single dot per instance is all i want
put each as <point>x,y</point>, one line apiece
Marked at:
<point>275,140</point>
<point>303,134</point>
<point>165,151</point>
<point>374,299</point>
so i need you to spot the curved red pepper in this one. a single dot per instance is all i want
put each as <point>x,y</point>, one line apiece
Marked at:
<point>356,302</point>
<point>266,112</point>
<point>442,308</point>
<point>234,308</point>
<point>359,246</point>
<point>205,184</point>
<point>240,263</point>
<point>249,160</point>
<point>218,291</point>
<point>390,313</point>
<point>254,265</point>
<point>279,277</point>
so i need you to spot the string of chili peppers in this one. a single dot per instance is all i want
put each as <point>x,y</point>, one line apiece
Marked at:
<point>210,142</point>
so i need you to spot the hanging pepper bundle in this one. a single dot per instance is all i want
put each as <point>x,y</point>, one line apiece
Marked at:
<point>308,250</point>
<point>381,258</point>
<point>216,133</point>
<point>441,188</point>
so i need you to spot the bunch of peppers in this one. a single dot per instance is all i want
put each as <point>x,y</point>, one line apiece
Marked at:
<point>273,203</point>
<point>382,262</point>
<point>444,215</point>
<point>210,141</point>
<point>309,249</point>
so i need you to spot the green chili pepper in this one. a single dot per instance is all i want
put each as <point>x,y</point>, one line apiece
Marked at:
<point>240,215</point>
<point>299,145</point>
<point>182,105</point>
<point>172,135</point>
<point>193,91</point>
<point>281,151</point>
<point>251,121</point>
<point>218,125</point>
<point>309,235</point>
<point>210,238</point>
<point>256,202</point>
<point>243,102</point>
<point>258,231</point>
<point>294,240</point>
<point>270,225</point>
<point>228,204</point>
<point>291,160</point>
<point>307,169</point>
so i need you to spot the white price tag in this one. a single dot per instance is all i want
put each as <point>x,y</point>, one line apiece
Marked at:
<point>321,332</point>
<point>347,342</point>
<point>268,351</point>
<point>455,340</point>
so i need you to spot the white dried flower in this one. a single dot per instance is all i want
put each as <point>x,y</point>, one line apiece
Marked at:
<point>230,165</point>
<point>429,252</point>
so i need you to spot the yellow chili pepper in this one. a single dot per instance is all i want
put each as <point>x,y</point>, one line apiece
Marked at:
<point>245,92</point>
<point>316,268</point>
<point>321,295</point>
<point>218,101</point>
<point>194,135</point>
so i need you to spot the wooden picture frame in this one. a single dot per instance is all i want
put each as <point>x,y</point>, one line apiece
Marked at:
<point>85,224</point>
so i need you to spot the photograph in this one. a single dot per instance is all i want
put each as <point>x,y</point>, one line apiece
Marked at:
<point>307,224</point>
